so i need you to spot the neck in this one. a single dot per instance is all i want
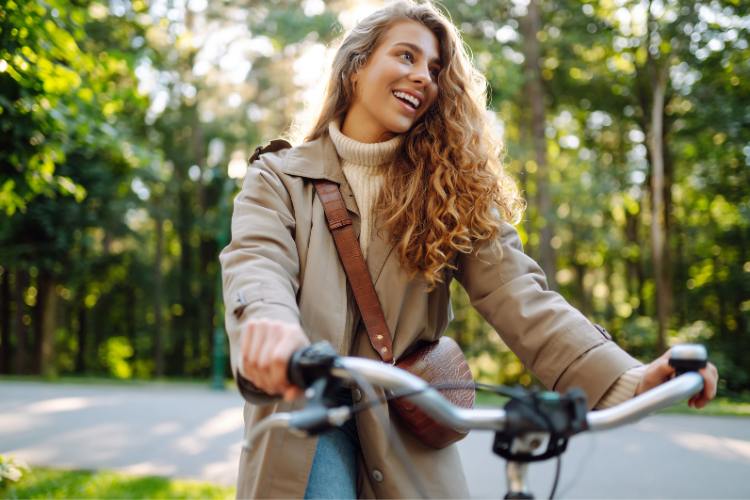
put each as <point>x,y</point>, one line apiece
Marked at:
<point>362,153</point>
<point>363,129</point>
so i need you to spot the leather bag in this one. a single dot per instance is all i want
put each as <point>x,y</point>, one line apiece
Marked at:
<point>438,363</point>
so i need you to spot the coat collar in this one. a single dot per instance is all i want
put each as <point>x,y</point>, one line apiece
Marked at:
<point>317,159</point>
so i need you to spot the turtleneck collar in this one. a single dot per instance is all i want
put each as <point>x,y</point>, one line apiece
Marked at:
<point>361,153</point>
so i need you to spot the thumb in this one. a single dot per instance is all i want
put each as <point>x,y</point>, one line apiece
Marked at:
<point>662,369</point>
<point>657,372</point>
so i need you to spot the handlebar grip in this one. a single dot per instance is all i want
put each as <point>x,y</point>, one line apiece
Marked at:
<point>310,364</point>
<point>688,357</point>
<point>252,394</point>
<point>305,366</point>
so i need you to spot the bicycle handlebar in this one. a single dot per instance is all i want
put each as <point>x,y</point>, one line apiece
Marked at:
<point>434,404</point>
<point>320,361</point>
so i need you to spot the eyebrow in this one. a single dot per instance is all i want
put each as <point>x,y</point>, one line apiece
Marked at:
<point>418,49</point>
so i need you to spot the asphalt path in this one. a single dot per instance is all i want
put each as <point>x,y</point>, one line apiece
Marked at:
<point>194,432</point>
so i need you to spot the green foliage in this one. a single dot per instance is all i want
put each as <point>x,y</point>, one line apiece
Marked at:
<point>117,121</point>
<point>11,471</point>
<point>52,483</point>
<point>594,64</point>
<point>115,355</point>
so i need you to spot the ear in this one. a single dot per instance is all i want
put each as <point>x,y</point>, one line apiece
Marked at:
<point>352,79</point>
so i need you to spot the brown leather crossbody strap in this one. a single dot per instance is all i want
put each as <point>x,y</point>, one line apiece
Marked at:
<point>350,253</point>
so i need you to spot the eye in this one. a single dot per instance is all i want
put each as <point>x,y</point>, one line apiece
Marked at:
<point>408,56</point>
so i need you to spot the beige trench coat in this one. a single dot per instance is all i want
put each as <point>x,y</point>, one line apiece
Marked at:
<point>282,264</point>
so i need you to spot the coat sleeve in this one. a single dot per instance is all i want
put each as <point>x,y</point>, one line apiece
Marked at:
<point>552,338</point>
<point>260,266</point>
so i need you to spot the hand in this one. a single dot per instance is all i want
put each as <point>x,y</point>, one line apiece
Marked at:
<point>659,371</point>
<point>265,349</point>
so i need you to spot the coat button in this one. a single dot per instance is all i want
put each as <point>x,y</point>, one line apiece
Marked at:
<point>377,475</point>
<point>357,395</point>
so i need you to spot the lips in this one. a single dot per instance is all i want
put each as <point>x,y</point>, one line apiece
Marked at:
<point>409,99</point>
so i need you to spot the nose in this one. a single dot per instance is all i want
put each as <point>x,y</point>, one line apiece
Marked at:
<point>420,73</point>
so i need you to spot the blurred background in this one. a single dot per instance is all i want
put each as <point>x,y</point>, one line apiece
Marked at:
<point>125,128</point>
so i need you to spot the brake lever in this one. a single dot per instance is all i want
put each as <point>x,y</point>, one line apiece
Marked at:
<point>320,412</point>
<point>311,363</point>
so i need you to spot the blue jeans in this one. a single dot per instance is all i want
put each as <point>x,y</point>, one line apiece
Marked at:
<point>334,468</point>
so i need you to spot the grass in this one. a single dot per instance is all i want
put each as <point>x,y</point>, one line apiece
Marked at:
<point>56,483</point>
<point>721,406</point>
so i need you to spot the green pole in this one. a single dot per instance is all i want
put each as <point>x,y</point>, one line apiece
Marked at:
<point>219,354</point>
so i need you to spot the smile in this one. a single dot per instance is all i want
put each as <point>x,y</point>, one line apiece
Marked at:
<point>409,99</point>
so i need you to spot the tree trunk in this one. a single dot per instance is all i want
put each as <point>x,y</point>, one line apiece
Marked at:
<point>131,316</point>
<point>583,304</point>
<point>658,229</point>
<point>158,293</point>
<point>23,341</point>
<point>82,334</point>
<point>181,322</point>
<point>636,277</point>
<point>530,26</point>
<point>6,348</point>
<point>669,223</point>
<point>209,268</point>
<point>44,324</point>
<point>680,276</point>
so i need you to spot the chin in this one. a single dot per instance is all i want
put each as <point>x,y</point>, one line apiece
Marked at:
<point>400,126</point>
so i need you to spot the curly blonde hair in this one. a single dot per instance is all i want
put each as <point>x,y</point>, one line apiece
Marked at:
<point>447,190</point>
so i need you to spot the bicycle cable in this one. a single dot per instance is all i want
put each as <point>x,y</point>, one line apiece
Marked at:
<point>393,440</point>
<point>512,393</point>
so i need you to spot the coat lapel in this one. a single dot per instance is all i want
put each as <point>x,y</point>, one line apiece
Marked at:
<point>317,159</point>
<point>378,251</point>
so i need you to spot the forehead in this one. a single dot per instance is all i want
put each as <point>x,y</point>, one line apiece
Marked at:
<point>413,33</point>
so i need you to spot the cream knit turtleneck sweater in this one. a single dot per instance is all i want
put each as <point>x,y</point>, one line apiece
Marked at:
<point>364,164</point>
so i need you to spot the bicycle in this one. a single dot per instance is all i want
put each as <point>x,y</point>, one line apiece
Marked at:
<point>532,426</point>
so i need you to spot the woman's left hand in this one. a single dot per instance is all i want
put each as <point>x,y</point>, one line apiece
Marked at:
<point>659,371</point>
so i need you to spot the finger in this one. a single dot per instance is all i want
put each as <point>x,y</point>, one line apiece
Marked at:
<point>292,393</point>
<point>278,358</point>
<point>664,370</point>
<point>259,370</point>
<point>270,335</point>
<point>296,340</point>
<point>657,372</point>
<point>711,378</point>
<point>246,350</point>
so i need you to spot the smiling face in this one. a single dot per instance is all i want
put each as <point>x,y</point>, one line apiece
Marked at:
<point>396,86</point>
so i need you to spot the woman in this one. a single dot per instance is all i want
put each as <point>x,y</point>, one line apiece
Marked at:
<point>403,131</point>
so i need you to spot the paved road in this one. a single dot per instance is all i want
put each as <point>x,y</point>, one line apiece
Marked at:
<point>193,432</point>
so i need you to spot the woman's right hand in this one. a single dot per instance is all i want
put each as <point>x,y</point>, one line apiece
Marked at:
<point>265,348</point>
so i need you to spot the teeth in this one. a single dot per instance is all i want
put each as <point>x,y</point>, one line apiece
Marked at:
<point>407,97</point>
